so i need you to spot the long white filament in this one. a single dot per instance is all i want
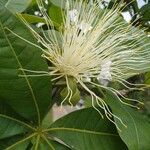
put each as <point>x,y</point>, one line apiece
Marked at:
<point>91,37</point>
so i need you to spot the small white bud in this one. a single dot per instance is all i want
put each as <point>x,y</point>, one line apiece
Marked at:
<point>85,27</point>
<point>73,15</point>
<point>46,2</point>
<point>87,77</point>
<point>40,7</point>
<point>105,73</point>
<point>36,13</point>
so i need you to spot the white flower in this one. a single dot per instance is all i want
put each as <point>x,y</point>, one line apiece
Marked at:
<point>111,50</point>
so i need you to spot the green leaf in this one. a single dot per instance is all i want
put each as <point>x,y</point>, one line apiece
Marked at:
<point>13,129</point>
<point>147,78</point>
<point>145,12</point>
<point>17,5</point>
<point>6,143</point>
<point>59,146</point>
<point>75,92</point>
<point>85,129</point>
<point>136,135</point>
<point>21,146</point>
<point>58,3</point>
<point>10,126</point>
<point>30,97</point>
<point>55,14</point>
<point>61,3</point>
<point>33,19</point>
<point>48,119</point>
<point>47,144</point>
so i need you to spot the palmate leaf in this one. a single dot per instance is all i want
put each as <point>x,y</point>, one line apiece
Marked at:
<point>85,129</point>
<point>23,100</point>
<point>136,135</point>
<point>80,130</point>
<point>30,97</point>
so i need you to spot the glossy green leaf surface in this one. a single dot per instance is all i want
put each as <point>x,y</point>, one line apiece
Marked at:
<point>145,12</point>
<point>13,129</point>
<point>30,97</point>
<point>8,144</point>
<point>85,129</point>
<point>136,135</point>
<point>33,19</point>
<point>58,3</point>
<point>47,144</point>
<point>10,124</point>
<point>147,78</point>
<point>55,14</point>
